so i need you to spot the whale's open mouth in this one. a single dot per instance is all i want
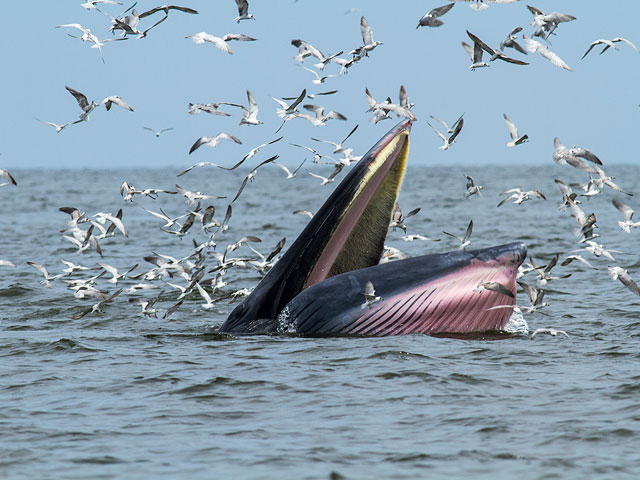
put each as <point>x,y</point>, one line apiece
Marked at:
<point>347,233</point>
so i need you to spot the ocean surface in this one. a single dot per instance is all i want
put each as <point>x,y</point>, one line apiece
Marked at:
<point>116,394</point>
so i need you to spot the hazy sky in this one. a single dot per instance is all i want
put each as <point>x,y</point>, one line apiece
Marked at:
<point>595,105</point>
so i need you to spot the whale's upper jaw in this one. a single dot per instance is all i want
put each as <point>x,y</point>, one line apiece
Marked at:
<point>346,233</point>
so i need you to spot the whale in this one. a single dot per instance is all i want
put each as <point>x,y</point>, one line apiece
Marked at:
<point>317,286</point>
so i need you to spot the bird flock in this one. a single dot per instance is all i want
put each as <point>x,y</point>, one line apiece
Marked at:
<point>167,281</point>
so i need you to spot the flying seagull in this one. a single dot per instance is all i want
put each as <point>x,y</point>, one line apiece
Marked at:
<point>451,140</point>
<point>535,46</point>
<point>430,19</point>
<point>157,133</point>
<point>213,141</point>
<point>516,139</point>
<point>220,42</point>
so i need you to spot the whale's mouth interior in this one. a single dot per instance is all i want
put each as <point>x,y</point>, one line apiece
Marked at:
<point>358,238</point>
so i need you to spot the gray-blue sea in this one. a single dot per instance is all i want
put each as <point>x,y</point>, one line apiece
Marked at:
<point>116,394</point>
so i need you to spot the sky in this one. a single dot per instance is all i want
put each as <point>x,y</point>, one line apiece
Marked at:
<point>595,106</point>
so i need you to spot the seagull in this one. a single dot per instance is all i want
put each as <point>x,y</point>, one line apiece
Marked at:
<point>451,140</point>
<point>6,263</point>
<point>114,272</point>
<point>87,36</point>
<point>220,42</point>
<point>318,80</point>
<point>450,129</point>
<point>585,222</point>
<point>598,250</point>
<point>464,241</point>
<point>535,46</point>
<point>619,39</point>
<point>397,220</point>
<point>627,211</point>
<point>213,141</point>
<point>535,297</point>
<point>97,308</point>
<point>411,238</point>
<point>58,128</point>
<point>379,112</point>
<point>289,173</point>
<point>603,179</point>
<point>518,196</point>
<point>5,175</point>
<point>619,273</point>
<point>167,8</point>
<point>510,41</point>
<point>286,109</point>
<point>563,155</point>
<point>494,287</point>
<point>516,139</point>
<point>403,109</point>
<point>325,180</point>
<point>249,115</point>
<point>476,53</point>
<point>472,188</point>
<point>367,39</point>
<point>608,44</point>
<point>320,117</point>
<point>72,267</point>
<point>251,175</point>
<point>345,64</point>
<point>339,148</point>
<point>547,23</point>
<point>147,305</point>
<point>551,331</point>
<point>567,194</point>
<point>243,11</point>
<point>571,258</point>
<point>91,4</point>
<point>212,108</point>
<point>544,271</point>
<point>107,102</point>
<point>157,133</point>
<point>305,49</point>
<point>194,197</point>
<point>303,212</point>
<point>83,103</point>
<point>481,5</point>
<point>102,218</point>
<point>47,278</point>
<point>430,19</point>
<point>369,293</point>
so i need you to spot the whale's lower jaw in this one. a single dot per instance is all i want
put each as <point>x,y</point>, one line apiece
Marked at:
<point>432,294</point>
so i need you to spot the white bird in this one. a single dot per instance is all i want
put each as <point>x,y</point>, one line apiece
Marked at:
<point>535,46</point>
<point>83,103</point>
<point>91,4</point>
<point>303,212</point>
<point>627,211</point>
<point>58,128</point>
<point>571,258</point>
<point>598,250</point>
<point>518,196</point>
<point>4,174</point>
<point>370,296</point>
<point>243,11</point>
<point>47,278</point>
<point>619,273</point>
<point>305,49</point>
<point>411,238</point>
<point>464,241</point>
<point>339,148</point>
<point>516,139</point>
<point>430,19</point>
<point>472,188</point>
<point>194,197</point>
<point>367,39</point>
<point>511,41</point>
<point>157,133</point>
<point>213,141</point>
<point>250,114</point>
<point>206,297</point>
<point>115,275</point>
<point>451,140</point>
<point>482,4</point>
<point>212,108</point>
<point>325,180</point>
<point>288,172</point>
<point>102,217</point>
<point>551,331</point>
<point>220,42</point>
<point>494,287</point>
<point>115,99</point>
<point>450,129</point>
<point>286,109</point>
<point>619,39</point>
<point>378,108</point>
<point>319,79</point>
<point>86,36</point>
<point>397,219</point>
